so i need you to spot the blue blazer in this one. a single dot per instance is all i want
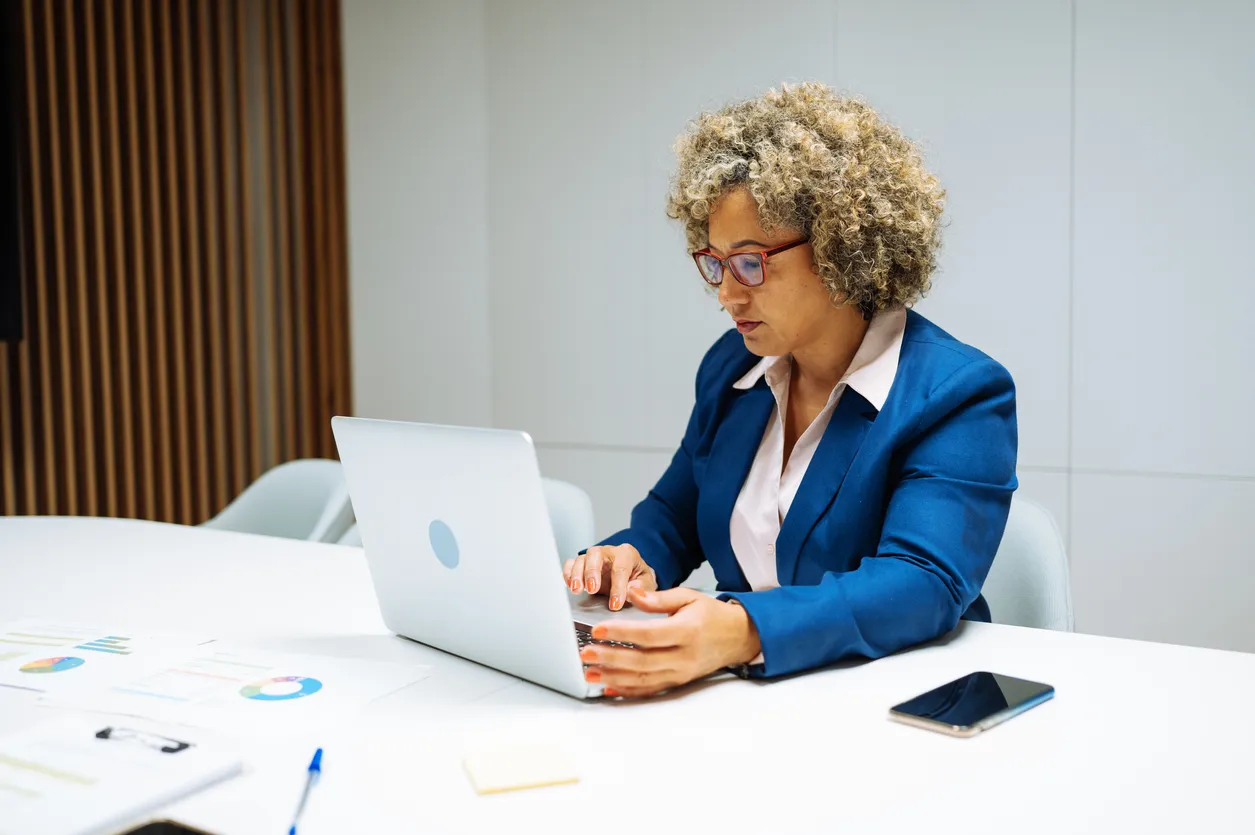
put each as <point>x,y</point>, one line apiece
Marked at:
<point>896,521</point>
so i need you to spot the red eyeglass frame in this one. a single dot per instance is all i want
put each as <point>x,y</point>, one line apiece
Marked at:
<point>724,264</point>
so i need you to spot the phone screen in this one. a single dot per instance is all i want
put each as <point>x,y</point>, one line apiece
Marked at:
<point>974,698</point>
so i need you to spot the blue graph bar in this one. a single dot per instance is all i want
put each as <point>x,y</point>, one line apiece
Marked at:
<point>112,644</point>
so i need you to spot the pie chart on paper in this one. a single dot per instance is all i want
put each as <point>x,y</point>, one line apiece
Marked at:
<point>52,665</point>
<point>281,688</point>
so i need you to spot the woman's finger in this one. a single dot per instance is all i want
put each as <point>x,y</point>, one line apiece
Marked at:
<point>566,571</point>
<point>632,660</point>
<point>629,680</point>
<point>627,560</point>
<point>654,634</point>
<point>593,561</point>
<point>575,580</point>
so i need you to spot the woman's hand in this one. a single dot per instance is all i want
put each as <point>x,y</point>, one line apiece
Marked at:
<point>702,635</point>
<point>609,569</point>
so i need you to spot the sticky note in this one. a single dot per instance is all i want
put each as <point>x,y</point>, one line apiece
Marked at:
<point>506,768</point>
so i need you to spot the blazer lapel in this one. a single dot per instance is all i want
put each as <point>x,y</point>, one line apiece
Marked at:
<point>837,448</point>
<point>731,454</point>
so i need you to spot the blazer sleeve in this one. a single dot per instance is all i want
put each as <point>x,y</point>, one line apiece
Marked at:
<point>943,523</point>
<point>663,526</point>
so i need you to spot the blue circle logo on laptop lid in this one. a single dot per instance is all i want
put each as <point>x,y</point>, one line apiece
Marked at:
<point>443,543</point>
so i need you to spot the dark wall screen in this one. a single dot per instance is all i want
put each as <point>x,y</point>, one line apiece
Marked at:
<point>10,173</point>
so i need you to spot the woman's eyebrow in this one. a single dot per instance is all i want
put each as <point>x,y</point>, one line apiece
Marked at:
<point>742,243</point>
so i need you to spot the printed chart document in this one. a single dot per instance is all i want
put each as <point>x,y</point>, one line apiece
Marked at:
<point>237,688</point>
<point>60,658</point>
<point>83,775</point>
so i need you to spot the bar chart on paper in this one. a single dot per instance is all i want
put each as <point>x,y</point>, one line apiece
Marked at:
<point>52,657</point>
<point>111,644</point>
<point>27,637</point>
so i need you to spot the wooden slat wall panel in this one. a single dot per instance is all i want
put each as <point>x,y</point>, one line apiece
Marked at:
<point>128,439</point>
<point>63,396</point>
<point>341,400</point>
<point>155,234</point>
<point>302,314</point>
<point>78,293</point>
<point>175,312</point>
<point>101,343</point>
<point>185,254</point>
<point>150,441</point>
<point>209,151</point>
<point>195,313</point>
<point>316,217</point>
<point>233,233</point>
<point>43,497</point>
<point>253,371</point>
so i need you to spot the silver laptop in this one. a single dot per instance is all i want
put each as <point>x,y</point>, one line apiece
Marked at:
<point>461,551</point>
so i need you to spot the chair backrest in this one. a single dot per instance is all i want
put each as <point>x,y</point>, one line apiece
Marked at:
<point>1029,583</point>
<point>353,536</point>
<point>306,499</point>
<point>571,515</point>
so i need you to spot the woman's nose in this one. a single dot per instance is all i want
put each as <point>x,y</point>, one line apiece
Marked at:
<point>731,291</point>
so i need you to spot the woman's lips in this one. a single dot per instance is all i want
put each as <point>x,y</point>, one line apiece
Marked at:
<point>746,327</point>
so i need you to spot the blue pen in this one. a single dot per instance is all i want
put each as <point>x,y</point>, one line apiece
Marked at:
<point>315,771</point>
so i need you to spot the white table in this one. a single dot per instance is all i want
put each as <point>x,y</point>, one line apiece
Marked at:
<point>1140,738</point>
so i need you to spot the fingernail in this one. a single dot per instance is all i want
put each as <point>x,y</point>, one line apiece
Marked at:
<point>592,585</point>
<point>610,691</point>
<point>616,603</point>
<point>575,585</point>
<point>588,655</point>
<point>599,633</point>
<point>592,676</point>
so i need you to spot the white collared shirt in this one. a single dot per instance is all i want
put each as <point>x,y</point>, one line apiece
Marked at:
<point>772,482</point>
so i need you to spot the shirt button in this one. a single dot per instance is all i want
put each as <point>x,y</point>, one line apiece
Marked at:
<point>771,550</point>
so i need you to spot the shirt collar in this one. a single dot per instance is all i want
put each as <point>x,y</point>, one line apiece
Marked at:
<point>871,372</point>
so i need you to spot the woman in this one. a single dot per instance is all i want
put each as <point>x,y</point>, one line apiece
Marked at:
<point>848,466</point>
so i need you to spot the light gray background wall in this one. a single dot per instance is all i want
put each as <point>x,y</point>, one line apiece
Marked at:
<point>512,266</point>
<point>416,121</point>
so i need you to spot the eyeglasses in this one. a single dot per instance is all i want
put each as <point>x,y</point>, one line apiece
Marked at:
<point>749,268</point>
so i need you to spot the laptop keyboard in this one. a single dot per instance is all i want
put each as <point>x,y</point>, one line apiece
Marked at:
<point>584,638</point>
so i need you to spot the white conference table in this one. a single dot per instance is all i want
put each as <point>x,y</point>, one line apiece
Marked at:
<point>1141,737</point>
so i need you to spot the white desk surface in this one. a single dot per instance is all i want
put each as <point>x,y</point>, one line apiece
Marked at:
<point>1140,738</point>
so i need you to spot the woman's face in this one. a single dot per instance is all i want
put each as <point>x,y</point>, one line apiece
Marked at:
<point>792,307</point>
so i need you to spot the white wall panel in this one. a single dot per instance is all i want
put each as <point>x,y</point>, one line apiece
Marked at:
<point>983,85</point>
<point>614,479</point>
<point>511,261</point>
<point>567,198</point>
<point>416,131</point>
<point>700,56</point>
<point>1165,559</point>
<point>1165,284</point>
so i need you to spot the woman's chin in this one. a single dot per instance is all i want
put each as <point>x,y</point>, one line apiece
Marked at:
<point>759,343</point>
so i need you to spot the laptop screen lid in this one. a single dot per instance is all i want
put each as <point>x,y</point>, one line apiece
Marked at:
<point>460,548</point>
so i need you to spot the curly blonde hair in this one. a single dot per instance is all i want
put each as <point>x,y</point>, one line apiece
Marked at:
<point>829,166</point>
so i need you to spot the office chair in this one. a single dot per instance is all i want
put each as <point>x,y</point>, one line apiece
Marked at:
<point>571,515</point>
<point>305,499</point>
<point>1029,583</point>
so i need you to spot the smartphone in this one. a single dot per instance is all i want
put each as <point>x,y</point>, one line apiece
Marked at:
<point>974,703</point>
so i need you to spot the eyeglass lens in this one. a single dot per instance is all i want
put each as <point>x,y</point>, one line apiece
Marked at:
<point>747,267</point>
